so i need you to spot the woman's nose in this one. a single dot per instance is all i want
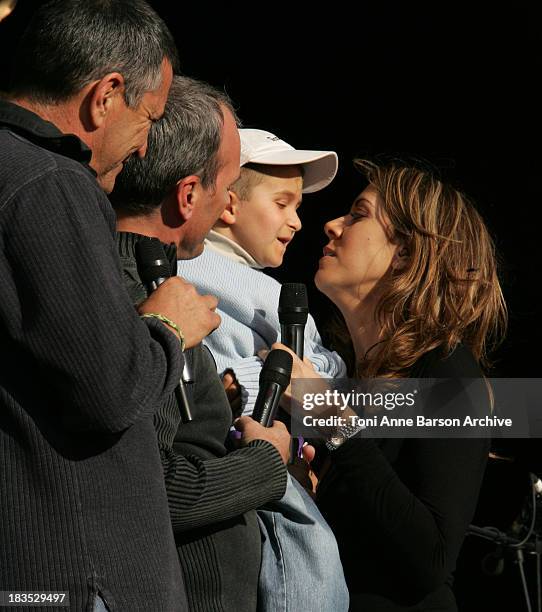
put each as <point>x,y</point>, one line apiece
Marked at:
<point>333,229</point>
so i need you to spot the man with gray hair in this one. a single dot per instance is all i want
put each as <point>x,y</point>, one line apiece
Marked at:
<point>173,197</point>
<point>84,508</point>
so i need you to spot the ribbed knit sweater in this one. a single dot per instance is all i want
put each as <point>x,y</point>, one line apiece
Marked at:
<point>82,495</point>
<point>212,494</point>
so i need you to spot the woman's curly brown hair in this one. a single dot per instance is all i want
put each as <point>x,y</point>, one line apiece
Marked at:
<point>449,291</point>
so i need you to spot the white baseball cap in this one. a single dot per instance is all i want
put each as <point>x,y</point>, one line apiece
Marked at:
<point>261,147</point>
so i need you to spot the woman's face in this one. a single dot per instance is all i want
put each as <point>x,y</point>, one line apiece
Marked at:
<point>359,253</point>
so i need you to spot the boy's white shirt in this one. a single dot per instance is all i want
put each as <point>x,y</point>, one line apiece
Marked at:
<point>230,249</point>
<point>248,303</point>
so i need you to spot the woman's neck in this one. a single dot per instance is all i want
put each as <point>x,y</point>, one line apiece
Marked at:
<point>365,332</point>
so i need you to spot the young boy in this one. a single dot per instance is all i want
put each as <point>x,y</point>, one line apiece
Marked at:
<point>253,233</point>
<point>301,567</point>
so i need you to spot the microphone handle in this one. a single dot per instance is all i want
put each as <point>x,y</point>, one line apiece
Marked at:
<point>153,285</point>
<point>267,403</point>
<point>182,397</point>
<point>183,401</point>
<point>186,376</point>
<point>293,336</point>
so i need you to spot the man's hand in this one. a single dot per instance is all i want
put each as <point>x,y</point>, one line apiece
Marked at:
<point>277,435</point>
<point>179,301</point>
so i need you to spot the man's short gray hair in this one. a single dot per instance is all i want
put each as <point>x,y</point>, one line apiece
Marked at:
<point>184,141</point>
<point>70,43</point>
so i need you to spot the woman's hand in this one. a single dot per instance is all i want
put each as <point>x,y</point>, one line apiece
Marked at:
<point>306,380</point>
<point>300,369</point>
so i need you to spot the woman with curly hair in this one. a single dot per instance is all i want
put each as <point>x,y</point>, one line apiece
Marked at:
<point>412,269</point>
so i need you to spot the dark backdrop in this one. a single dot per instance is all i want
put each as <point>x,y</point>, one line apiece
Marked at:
<point>457,86</point>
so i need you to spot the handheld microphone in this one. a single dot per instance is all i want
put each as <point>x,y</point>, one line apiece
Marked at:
<point>154,268</point>
<point>293,312</point>
<point>152,264</point>
<point>274,378</point>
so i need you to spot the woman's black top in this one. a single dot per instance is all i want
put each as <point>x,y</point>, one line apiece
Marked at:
<point>400,507</point>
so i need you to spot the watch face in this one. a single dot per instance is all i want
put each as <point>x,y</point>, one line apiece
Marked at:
<point>337,439</point>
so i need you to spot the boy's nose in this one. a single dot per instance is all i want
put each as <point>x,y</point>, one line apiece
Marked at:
<point>295,222</point>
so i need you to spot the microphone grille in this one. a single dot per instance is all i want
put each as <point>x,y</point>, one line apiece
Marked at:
<point>152,262</point>
<point>293,303</point>
<point>277,368</point>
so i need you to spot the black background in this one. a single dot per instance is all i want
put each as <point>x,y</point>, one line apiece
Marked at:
<point>455,85</point>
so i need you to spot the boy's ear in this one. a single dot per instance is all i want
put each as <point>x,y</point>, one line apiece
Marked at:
<point>229,216</point>
<point>187,194</point>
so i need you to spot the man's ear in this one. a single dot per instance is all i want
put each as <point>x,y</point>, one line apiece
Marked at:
<point>102,97</point>
<point>229,216</point>
<point>400,258</point>
<point>188,192</point>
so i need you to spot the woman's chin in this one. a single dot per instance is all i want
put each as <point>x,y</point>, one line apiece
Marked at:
<point>322,282</point>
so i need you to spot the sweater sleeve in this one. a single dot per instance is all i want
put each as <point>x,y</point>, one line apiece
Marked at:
<point>70,313</point>
<point>328,363</point>
<point>247,372</point>
<point>202,492</point>
<point>204,489</point>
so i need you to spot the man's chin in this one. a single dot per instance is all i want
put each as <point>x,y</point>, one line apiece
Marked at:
<point>183,253</point>
<point>107,180</point>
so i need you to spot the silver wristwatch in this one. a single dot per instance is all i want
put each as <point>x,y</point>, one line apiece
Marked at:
<point>343,433</point>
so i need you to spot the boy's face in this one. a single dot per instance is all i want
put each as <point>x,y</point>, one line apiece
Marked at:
<point>267,221</point>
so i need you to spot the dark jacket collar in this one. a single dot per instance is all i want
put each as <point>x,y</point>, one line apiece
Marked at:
<point>45,134</point>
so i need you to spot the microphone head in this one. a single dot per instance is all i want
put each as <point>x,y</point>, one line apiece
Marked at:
<point>293,304</point>
<point>152,262</point>
<point>277,368</point>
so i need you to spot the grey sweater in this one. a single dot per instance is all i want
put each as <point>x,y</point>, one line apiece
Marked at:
<point>82,495</point>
